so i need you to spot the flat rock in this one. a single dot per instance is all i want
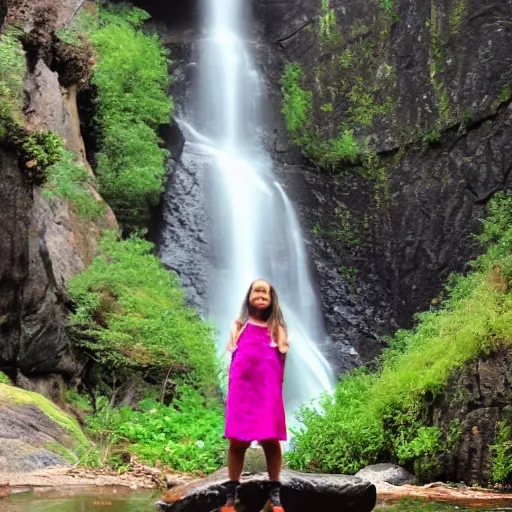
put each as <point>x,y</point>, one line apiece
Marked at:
<point>389,473</point>
<point>301,492</point>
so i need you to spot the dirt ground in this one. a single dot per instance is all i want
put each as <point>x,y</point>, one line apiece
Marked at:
<point>136,478</point>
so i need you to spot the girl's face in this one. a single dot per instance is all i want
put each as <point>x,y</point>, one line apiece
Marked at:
<point>260,297</point>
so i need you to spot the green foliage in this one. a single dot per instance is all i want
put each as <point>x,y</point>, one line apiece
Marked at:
<point>345,232</point>
<point>348,273</point>
<point>12,72</point>
<point>58,449</point>
<point>186,435</point>
<point>432,137</point>
<point>346,58</point>
<point>132,79</point>
<point>502,453</point>
<point>296,107</point>
<point>335,151</point>
<point>387,4</point>
<point>131,315</point>
<point>4,379</point>
<point>437,65</point>
<point>11,395</point>
<point>328,29</point>
<point>456,15</point>
<point>45,147</point>
<point>363,107</point>
<point>296,102</point>
<point>66,178</point>
<point>384,415</point>
<point>505,93</point>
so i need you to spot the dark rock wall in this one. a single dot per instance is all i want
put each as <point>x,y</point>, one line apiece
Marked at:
<point>478,397</point>
<point>43,242</point>
<point>425,87</point>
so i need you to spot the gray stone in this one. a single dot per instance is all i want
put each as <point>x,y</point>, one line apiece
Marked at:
<point>389,473</point>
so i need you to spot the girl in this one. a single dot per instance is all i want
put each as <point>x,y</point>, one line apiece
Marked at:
<point>254,409</point>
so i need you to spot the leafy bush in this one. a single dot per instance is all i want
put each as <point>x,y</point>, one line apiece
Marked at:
<point>186,435</point>
<point>131,315</point>
<point>68,179</point>
<point>131,79</point>
<point>379,416</point>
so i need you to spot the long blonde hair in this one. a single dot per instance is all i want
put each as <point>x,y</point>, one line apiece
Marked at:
<point>272,315</point>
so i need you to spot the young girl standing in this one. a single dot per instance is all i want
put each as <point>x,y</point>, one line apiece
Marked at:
<point>254,409</point>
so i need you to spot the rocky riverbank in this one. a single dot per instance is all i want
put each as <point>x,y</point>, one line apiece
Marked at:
<point>141,477</point>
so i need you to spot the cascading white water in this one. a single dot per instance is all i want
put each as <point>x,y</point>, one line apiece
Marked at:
<point>255,231</point>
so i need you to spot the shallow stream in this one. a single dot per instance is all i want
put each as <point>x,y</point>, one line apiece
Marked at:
<point>106,500</point>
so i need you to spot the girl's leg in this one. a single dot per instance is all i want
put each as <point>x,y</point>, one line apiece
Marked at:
<point>236,456</point>
<point>274,456</point>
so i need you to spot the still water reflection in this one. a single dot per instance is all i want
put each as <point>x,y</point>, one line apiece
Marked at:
<point>121,500</point>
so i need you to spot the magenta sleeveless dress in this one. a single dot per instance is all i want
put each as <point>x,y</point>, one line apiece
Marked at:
<point>254,406</point>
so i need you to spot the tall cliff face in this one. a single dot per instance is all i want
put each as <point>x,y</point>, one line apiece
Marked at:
<point>424,90</point>
<point>43,242</point>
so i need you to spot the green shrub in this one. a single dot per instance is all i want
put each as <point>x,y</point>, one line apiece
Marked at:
<point>131,79</point>
<point>297,104</point>
<point>12,72</point>
<point>66,178</point>
<point>502,453</point>
<point>186,435</point>
<point>384,415</point>
<point>131,315</point>
<point>45,147</point>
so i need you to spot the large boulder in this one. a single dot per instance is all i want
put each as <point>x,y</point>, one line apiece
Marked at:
<point>386,472</point>
<point>34,433</point>
<point>301,492</point>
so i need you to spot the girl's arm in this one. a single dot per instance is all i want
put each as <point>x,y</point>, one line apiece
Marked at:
<point>282,340</point>
<point>233,338</point>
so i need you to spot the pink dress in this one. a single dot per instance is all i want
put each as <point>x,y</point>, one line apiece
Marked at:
<point>254,407</point>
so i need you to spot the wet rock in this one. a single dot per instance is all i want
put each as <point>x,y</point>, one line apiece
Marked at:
<point>300,492</point>
<point>34,433</point>
<point>185,225</point>
<point>389,473</point>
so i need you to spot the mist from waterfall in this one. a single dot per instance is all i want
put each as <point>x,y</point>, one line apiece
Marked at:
<point>255,231</point>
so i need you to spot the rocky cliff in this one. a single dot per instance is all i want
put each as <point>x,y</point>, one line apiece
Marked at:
<point>43,242</point>
<point>386,226</point>
<point>424,89</point>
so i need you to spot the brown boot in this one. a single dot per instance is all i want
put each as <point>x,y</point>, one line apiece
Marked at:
<point>231,488</point>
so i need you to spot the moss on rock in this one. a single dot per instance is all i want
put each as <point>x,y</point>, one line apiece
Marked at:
<point>12,397</point>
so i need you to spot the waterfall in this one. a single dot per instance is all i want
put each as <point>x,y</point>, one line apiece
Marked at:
<point>254,228</point>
